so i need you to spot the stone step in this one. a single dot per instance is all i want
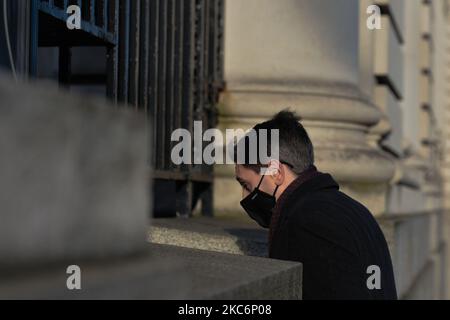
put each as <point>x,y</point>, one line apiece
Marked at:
<point>220,235</point>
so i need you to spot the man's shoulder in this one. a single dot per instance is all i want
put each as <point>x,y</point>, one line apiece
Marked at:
<point>331,213</point>
<point>327,201</point>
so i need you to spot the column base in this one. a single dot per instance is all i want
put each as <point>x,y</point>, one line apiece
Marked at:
<point>338,119</point>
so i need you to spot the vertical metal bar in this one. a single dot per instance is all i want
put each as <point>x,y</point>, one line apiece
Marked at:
<point>153,74</point>
<point>85,9</point>
<point>124,44</point>
<point>198,61</point>
<point>105,14</point>
<point>92,13</point>
<point>23,45</point>
<point>188,66</point>
<point>169,116</point>
<point>220,53</point>
<point>135,17</point>
<point>112,58</point>
<point>212,36</point>
<point>205,57</point>
<point>144,55</point>
<point>214,57</point>
<point>34,37</point>
<point>179,60</point>
<point>188,71</point>
<point>162,56</point>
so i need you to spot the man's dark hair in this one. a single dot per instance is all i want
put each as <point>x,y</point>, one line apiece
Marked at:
<point>295,148</point>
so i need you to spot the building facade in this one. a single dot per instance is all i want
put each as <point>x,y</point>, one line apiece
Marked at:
<point>374,101</point>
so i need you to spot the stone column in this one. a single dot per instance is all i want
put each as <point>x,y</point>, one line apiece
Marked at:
<point>446,133</point>
<point>444,103</point>
<point>303,55</point>
<point>446,151</point>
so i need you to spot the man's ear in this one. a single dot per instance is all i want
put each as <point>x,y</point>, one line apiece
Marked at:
<point>276,172</point>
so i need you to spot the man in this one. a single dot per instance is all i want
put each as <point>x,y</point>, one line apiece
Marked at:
<point>336,238</point>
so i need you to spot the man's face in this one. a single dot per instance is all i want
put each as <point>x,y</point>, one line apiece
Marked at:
<point>249,180</point>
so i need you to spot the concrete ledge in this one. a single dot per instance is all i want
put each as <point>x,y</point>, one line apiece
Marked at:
<point>166,272</point>
<point>228,276</point>
<point>211,234</point>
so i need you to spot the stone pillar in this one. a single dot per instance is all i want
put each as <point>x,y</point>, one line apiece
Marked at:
<point>446,129</point>
<point>446,151</point>
<point>304,55</point>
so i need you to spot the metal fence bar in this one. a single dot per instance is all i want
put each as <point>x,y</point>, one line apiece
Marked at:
<point>170,62</point>
<point>124,52</point>
<point>162,82</point>
<point>34,36</point>
<point>113,54</point>
<point>144,55</point>
<point>104,13</point>
<point>153,73</point>
<point>135,17</point>
<point>92,12</point>
<point>178,65</point>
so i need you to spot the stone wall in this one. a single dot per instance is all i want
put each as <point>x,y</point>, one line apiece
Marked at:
<point>417,245</point>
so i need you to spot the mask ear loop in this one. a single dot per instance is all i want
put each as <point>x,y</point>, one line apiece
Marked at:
<point>275,192</point>
<point>260,181</point>
<point>259,185</point>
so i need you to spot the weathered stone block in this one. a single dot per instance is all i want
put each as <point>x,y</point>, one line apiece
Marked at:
<point>167,272</point>
<point>73,177</point>
<point>217,235</point>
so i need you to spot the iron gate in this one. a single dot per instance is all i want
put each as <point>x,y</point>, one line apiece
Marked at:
<point>164,58</point>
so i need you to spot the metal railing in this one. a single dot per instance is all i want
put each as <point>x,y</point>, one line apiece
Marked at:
<point>164,58</point>
<point>170,66</point>
<point>99,17</point>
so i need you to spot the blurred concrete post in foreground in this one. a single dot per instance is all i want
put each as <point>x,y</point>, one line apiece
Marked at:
<point>74,177</point>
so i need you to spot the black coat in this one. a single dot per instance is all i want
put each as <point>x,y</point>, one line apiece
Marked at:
<point>336,238</point>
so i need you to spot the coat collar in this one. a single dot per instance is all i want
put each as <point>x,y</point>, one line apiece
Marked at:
<point>308,181</point>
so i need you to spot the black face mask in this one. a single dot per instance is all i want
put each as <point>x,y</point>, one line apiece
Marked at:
<point>259,205</point>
